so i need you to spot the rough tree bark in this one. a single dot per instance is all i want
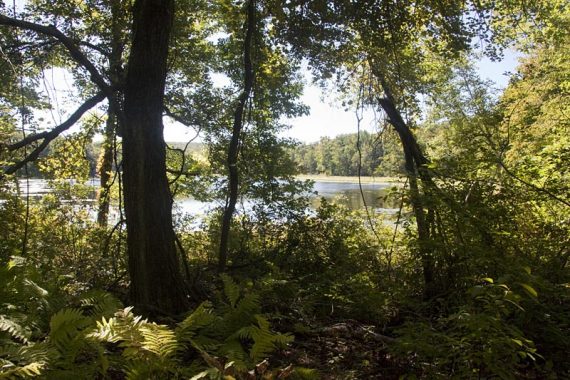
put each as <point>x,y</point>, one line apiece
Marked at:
<point>233,180</point>
<point>157,285</point>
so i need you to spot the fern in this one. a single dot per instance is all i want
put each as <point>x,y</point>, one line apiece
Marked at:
<point>99,304</point>
<point>148,349</point>
<point>264,341</point>
<point>96,341</point>
<point>231,290</point>
<point>10,371</point>
<point>301,373</point>
<point>14,329</point>
<point>159,340</point>
<point>65,327</point>
<point>200,318</point>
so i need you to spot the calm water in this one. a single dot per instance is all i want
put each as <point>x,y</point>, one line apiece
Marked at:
<point>344,193</point>
<point>348,194</point>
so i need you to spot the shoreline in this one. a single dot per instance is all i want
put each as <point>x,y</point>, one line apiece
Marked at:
<point>348,179</point>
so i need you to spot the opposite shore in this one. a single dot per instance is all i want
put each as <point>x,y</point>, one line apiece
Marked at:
<point>349,179</point>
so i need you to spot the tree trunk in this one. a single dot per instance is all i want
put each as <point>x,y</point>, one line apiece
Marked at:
<point>233,175</point>
<point>105,167</point>
<point>415,163</point>
<point>157,285</point>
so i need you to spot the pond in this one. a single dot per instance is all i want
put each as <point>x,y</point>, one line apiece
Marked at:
<point>373,195</point>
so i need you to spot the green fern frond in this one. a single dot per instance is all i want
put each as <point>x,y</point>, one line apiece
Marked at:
<point>124,327</point>
<point>26,371</point>
<point>98,303</point>
<point>244,333</point>
<point>65,330</point>
<point>231,289</point>
<point>262,322</point>
<point>200,318</point>
<point>240,316</point>
<point>263,345</point>
<point>204,342</point>
<point>159,340</point>
<point>142,371</point>
<point>250,304</point>
<point>234,350</point>
<point>14,329</point>
<point>302,373</point>
<point>40,352</point>
<point>264,341</point>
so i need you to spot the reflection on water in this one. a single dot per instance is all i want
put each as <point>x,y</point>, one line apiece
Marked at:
<point>373,195</point>
<point>344,193</point>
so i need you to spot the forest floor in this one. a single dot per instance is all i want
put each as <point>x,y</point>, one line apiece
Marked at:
<point>343,351</point>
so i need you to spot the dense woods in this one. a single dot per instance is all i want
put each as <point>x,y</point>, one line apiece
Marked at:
<point>350,155</point>
<point>468,280</point>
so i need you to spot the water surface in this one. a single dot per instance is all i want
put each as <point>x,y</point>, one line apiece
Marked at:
<point>372,195</point>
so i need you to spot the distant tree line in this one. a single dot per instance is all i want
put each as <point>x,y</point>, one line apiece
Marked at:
<point>379,155</point>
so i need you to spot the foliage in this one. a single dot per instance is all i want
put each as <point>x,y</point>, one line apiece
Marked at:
<point>476,340</point>
<point>495,191</point>
<point>340,156</point>
<point>96,340</point>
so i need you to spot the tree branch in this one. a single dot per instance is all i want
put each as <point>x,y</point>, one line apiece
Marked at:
<point>48,136</point>
<point>94,47</point>
<point>77,56</point>
<point>70,44</point>
<point>532,186</point>
<point>176,117</point>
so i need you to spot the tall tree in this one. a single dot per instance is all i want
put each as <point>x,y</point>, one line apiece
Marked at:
<point>156,281</point>
<point>157,285</point>
<point>390,47</point>
<point>232,160</point>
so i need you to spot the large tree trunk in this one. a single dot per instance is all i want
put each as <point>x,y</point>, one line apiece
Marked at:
<point>157,285</point>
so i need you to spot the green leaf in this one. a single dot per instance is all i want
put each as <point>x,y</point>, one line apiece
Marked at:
<point>529,290</point>
<point>517,341</point>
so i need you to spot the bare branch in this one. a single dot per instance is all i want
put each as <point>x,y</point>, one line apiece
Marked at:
<point>48,136</point>
<point>94,47</point>
<point>30,157</point>
<point>69,43</point>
